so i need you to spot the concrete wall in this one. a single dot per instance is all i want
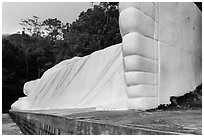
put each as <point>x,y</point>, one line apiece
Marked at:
<point>44,124</point>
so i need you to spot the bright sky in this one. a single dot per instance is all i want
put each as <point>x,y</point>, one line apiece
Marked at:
<point>13,12</point>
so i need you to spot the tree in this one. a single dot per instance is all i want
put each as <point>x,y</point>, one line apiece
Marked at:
<point>54,28</point>
<point>13,73</point>
<point>41,34</point>
<point>95,29</point>
<point>23,59</point>
<point>32,26</point>
<point>17,41</point>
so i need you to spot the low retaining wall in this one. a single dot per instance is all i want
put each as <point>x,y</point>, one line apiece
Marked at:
<point>43,124</point>
<point>49,124</point>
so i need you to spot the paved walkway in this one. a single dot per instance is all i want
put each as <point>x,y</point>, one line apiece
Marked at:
<point>9,127</point>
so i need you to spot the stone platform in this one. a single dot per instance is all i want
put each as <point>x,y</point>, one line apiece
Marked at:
<point>92,122</point>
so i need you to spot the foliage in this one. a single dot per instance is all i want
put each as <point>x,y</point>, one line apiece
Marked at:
<point>13,73</point>
<point>32,26</point>
<point>54,28</point>
<point>95,29</point>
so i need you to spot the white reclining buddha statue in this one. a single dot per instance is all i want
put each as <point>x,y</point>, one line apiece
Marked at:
<point>160,56</point>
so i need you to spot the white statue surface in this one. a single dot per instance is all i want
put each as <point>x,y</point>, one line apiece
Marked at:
<point>160,56</point>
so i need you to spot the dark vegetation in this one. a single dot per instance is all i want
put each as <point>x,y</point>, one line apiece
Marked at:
<point>41,45</point>
<point>191,100</point>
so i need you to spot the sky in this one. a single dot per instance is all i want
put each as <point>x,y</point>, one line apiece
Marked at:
<point>13,12</point>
